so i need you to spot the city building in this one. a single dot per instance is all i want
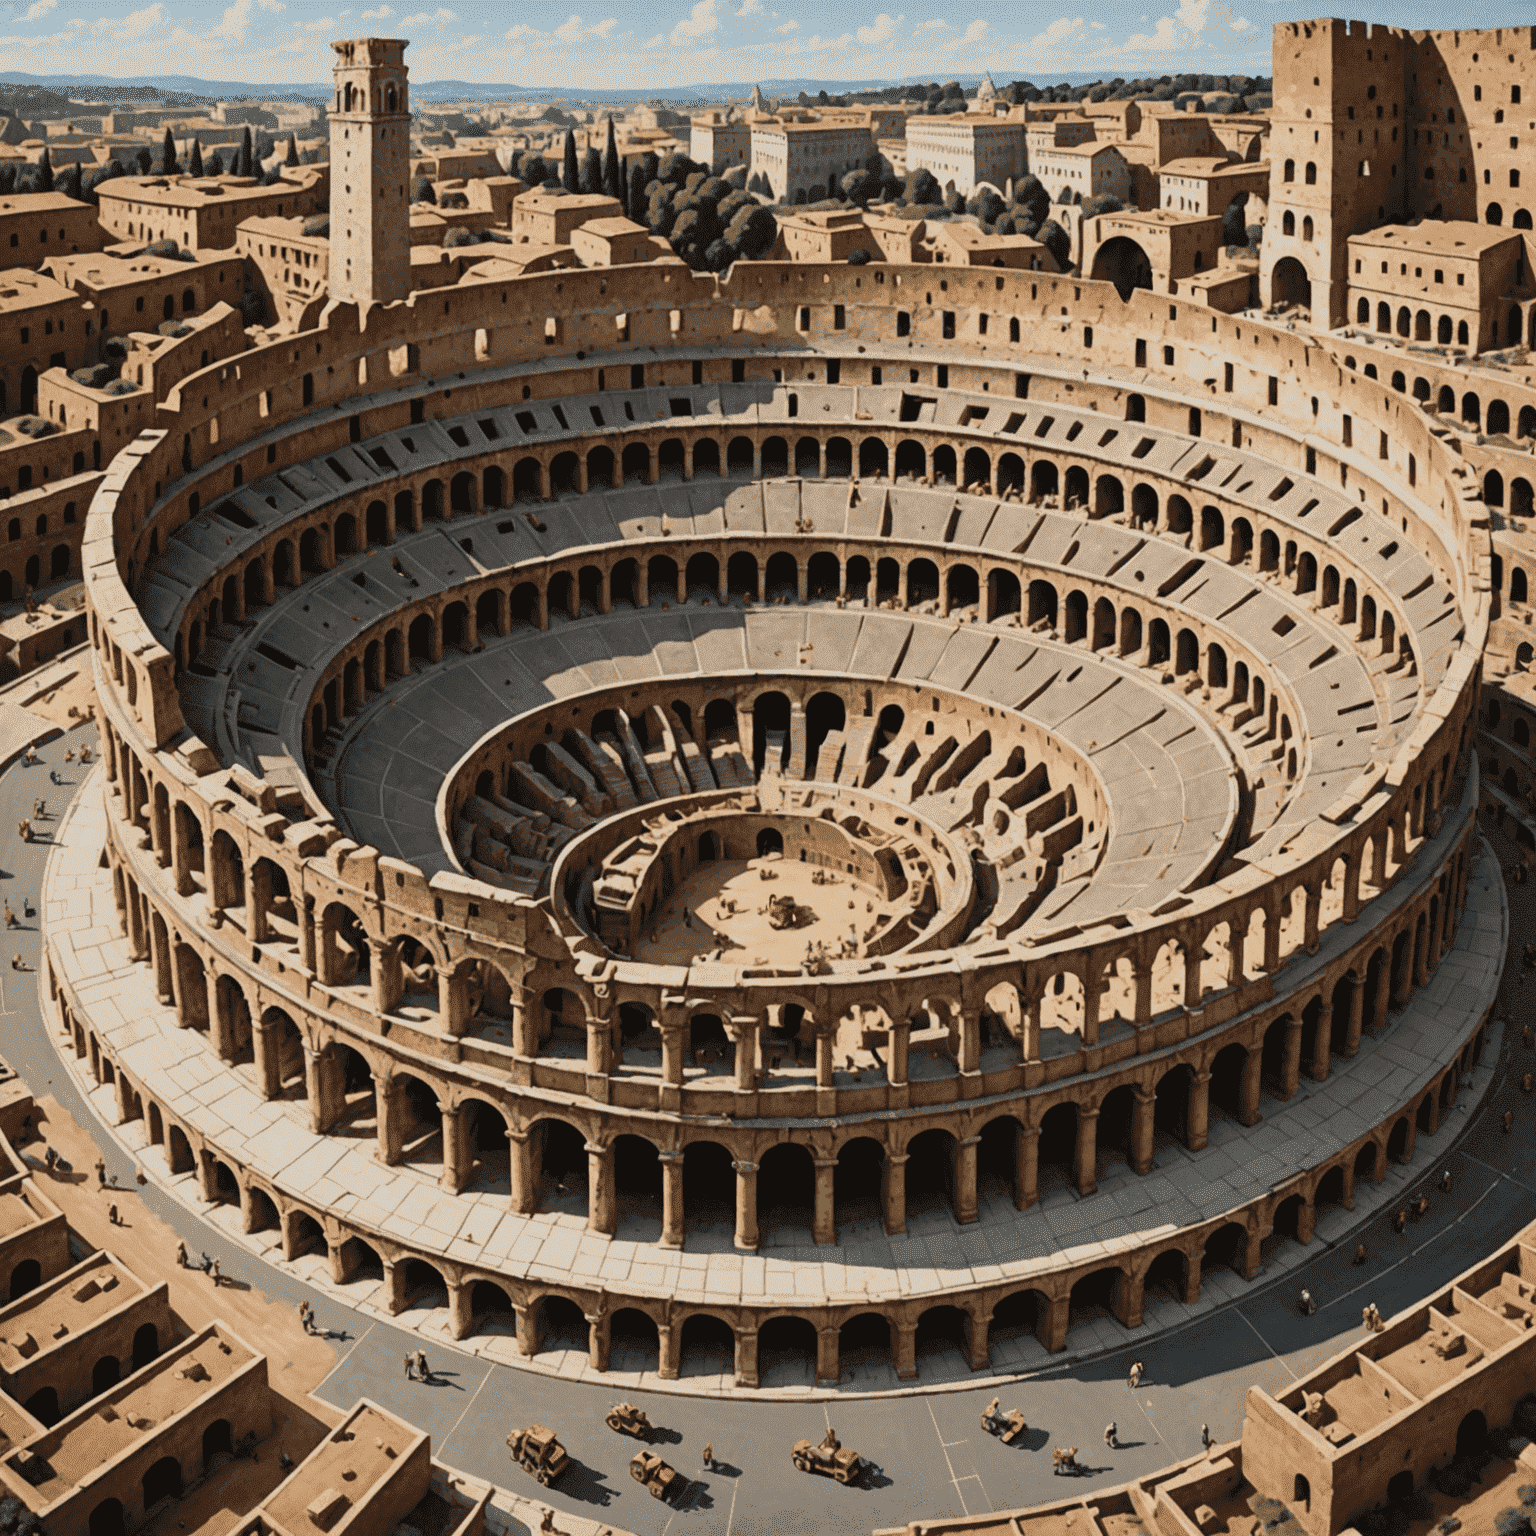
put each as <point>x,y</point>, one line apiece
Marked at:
<point>803,162</point>
<point>966,149</point>
<point>204,214</point>
<point>36,225</point>
<point>1076,172</point>
<point>719,139</point>
<point>545,217</point>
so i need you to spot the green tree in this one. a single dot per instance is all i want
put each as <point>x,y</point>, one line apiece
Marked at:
<point>1054,238</point>
<point>7,179</point>
<point>169,164</point>
<point>860,187</point>
<point>858,258</point>
<point>1032,196</point>
<point>535,172</point>
<point>753,232</point>
<point>292,157</point>
<point>1102,202</point>
<point>143,160</point>
<point>985,205</point>
<point>637,184</point>
<point>922,187</point>
<point>571,180</point>
<point>421,191</point>
<point>613,180</point>
<point>216,164</point>
<point>245,165</point>
<point>591,171</point>
<point>71,184</point>
<point>195,160</point>
<point>44,178</point>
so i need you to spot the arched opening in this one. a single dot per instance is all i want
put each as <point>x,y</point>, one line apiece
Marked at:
<point>105,1375</point>
<point>770,731</point>
<point>633,1341</point>
<point>864,1348</point>
<point>218,1440</point>
<point>707,1347</point>
<point>943,1341</point>
<point>1124,263</point>
<point>1289,283</point>
<point>162,1481</point>
<point>786,1353</point>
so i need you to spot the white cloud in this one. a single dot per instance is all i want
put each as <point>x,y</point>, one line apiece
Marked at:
<point>603,29</point>
<point>571,30</point>
<point>237,19</point>
<point>1064,30</point>
<point>701,22</point>
<point>522,29</point>
<point>323,25</point>
<point>1193,13</point>
<point>789,26</point>
<point>880,31</point>
<point>1163,39</point>
<point>438,18</point>
<point>37,11</point>
<point>379,13</point>
<point>975,32</point>
<point>938,24</point>
<point>655,42</point>
<point>1242,24</point>
<point>751,8</point>
<point>135,25</point>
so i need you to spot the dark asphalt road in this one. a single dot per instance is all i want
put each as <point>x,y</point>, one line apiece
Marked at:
<point>933,1456</point>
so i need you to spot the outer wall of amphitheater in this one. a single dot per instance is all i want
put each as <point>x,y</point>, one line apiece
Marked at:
<point>242,894</point>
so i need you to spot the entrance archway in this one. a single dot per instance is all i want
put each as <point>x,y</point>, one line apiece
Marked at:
<point>1289,283</point>
<point>1122,261</point>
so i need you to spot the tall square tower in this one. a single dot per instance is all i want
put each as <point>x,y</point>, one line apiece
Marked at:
<point>370,173</point>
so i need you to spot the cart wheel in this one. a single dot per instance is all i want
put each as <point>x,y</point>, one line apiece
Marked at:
<point>656,1490</point>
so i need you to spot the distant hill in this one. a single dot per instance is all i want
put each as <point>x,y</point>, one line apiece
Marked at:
<point>191,90</point>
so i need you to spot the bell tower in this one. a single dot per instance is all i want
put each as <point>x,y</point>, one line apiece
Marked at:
<point>370,257</point>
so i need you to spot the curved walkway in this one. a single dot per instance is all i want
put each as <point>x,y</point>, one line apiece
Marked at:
<point>936,1461</point>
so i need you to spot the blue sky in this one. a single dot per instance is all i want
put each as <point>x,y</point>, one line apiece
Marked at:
<point>676,42</point>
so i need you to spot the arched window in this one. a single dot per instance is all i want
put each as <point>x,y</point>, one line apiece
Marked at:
<point>1288,223</point>
<point>1311,174</point>
<point>1290,170</point>
<point>1306,229</point>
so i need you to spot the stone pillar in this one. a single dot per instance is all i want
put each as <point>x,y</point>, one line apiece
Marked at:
<point>1253,1076</point>
<point>456,1165</point>
<point>1198,1120</point>
<point>266,1040</point>
<point>1356,1014</point>
<point>1310,921</point>
<point>970,1042</point>
<point>461,1316</point>
<point>1253,1255</point>
<point>1085,1169</point>
<point>899,1040</point>
<point>893,1192</point>
<point>746,1031</point>
<point>824,1222</point>
<point>394,1287</point>
<point>1292,1058</point>
<point>599,1048</point>
<point>1026,1167</point>
<point>672,1036</point>
<point>824,1043</point>
<point>746,1206</point>
<point>602,1200</point>
<point>828,1367</point>
<point>746,1357</point>
<point>906,1351</point>
<point>1053,1330</point>
<point>1322,1045</point>
<point>671,1199</point>
<point>388,1094</point>
<point>307,935</point>
<point>124,1106</point>
<point>1142,1120</point>
<point>964,1192</point>
<point>221,1027</point>
<point>452,999</point>
<point>668,1351</point>
<point>525,1193</point>
<point>138,948</point>
<point>978,1346</point>
<point>314,1090</point>
<point>1383,999</point>
<point>1194,955</point>
<point>1271,940</point>
<point>1306,1222</point>
<point>597,1339</point>
<point>258,900</point>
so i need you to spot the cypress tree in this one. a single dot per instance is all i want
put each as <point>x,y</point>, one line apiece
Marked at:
<point>245,166</point>
<point>216,164</point>
<point>168,162</point>
<point>637,184</point>
<point>591,171</point>
<point>293,151</point>
<point>195,160</point>
<point>572,177</point>
<point>45,172</point>
<point>613,181</point>
<point>72,186</point>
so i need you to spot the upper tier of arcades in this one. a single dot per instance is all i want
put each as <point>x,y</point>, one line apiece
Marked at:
<point>1252,422</point>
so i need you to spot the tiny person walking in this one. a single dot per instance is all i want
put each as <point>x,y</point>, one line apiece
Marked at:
<point>1110,1432</point>
<point>1138,1370</point>
<point>410,1362</point>
<point>709,1455</point>
<point>214,1273</point>
<point>112,1216</point>
<point>1205,1437</point>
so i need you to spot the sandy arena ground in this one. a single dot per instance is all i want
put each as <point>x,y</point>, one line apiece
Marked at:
<point>826,913</point>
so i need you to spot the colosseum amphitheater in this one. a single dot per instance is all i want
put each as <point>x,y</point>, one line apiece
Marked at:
<point>806,812</point>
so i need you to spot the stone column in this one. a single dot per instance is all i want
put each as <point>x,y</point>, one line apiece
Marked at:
<point>668,1351</point>
<point>1026,1167</point>
<point>599,1048</point>
<point>124,1104</point>
<point>828,1367</point>
<point>1310,920</point>
<point>970,1042</point>
<point>258,899</point>
<point>671,1199</point>
<point>672,1036</point>
<point>746,1206</point>
<point>1085,1170</point>
<point>597,1339</point>
<point>307,935</point>
<point>824,1044</point>
<point>394,1286</point>
<point>893,1192</point>
<point>221,1027</point>
<point>1322,1045</point>
<point>899,1039</point>
<point>265,1042</point>
<point>456,1166</point>
<point>1198,1120</point>
<point>1142,1123</point>
<point>906,1351</point>
<point>1383,994</point>
<point>527,1325</point>
<point>525,1194</point>
<point>1292,1058</point>
<point>1252,1084</point>
<point>388,1094</point>
<point>452,999</point>
<point>746,1357</point>
<point>963,1193</point>
<point>1356,1014</point>
<point>1053,1332</point>
<point>745,1031</point>
<point>602,1200</point>
<point>824,1222</point>
<point>1193,958</point>
<point>314,1090</point>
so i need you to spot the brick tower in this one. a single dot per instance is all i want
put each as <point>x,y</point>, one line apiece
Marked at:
<point>370,173</point>
<point>1336,156</point>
